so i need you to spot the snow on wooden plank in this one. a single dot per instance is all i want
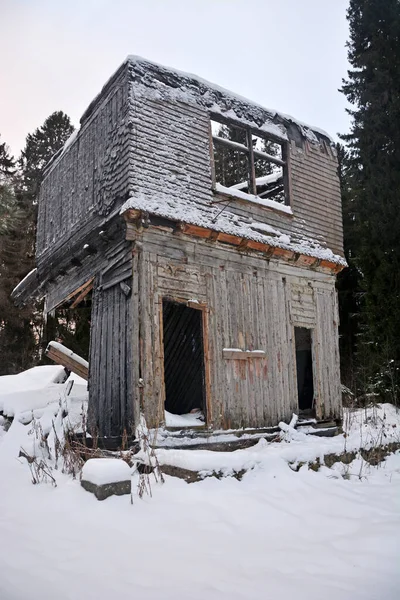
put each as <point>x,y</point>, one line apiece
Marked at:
<point>237,354</point>
<point>63,356</point>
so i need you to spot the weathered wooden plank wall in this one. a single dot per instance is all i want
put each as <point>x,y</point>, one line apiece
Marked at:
<point>113,264</point>
<point>326,353</point>
<point>171,159</point>
<point>249,305</point>
<point>133,142</point>
<point>92,174</point>
<point>111,356</point>
<point>316,196</point>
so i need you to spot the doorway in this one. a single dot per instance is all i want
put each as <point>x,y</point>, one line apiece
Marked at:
<point>304,368</point>
<point>183,358</point>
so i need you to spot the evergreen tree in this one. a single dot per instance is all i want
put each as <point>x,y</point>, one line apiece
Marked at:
<point>40,146</point>
<point>20,330</point>
<point>348,283</point>
<point>373,88</point>
<point>7,162</point>
<point>16,334</point>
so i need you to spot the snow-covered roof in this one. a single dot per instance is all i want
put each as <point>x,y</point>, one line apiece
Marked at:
<point>187,87</point>
<point>155,80</point>
<point>211,217</point>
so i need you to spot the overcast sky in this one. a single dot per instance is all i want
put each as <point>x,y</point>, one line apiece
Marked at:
<point>284,54</point>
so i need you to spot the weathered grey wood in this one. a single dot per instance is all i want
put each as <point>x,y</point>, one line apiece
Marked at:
<point>143,137</point>
<point>244,393</point>
<point>69,362</point>
<point>110,363</point>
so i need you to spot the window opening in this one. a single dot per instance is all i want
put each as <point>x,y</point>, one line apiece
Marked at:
<point>231,162</point>
<point>304,368</point>
<point>248,162</point>
<point>183,360</point>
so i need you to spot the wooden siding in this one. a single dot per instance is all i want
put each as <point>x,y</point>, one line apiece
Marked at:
<point>326,354</point>
<point>316,194</point>
<point>84,184</point>
<point>171,160</point>
<point>302,305</point>
<point>132,141</point>
<point>170,150</point>
<point>111,381</point>
<point>247,302</point>
<point>112,264</point>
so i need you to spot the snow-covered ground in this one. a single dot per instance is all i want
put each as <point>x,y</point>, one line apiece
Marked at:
<point>277,533</point>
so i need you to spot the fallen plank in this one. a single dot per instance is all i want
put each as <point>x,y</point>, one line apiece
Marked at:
<point>63,356</point>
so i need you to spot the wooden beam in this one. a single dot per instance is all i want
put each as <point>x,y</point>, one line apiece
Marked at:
<point>236,354</point>
<point>67,361</point>
<point>79,289</point>
<point>248,244</point>
<point>84,293</point>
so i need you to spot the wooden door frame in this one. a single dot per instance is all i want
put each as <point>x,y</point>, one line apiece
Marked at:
<point>314,356</point>
<point>203,307</point>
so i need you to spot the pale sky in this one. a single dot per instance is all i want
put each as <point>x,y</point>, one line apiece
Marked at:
<point>284,54</point>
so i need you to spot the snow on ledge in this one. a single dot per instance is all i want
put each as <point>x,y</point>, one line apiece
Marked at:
<point>210,216</point>
<point>101,471</point>
<point>23,281</point>
<point>232,191</point>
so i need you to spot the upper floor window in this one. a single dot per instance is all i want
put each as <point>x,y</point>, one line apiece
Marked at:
<point>248,163</point>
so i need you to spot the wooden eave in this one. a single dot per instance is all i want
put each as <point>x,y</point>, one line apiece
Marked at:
<point>137,220</point>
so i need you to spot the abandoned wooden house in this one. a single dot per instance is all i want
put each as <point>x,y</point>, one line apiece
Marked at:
<point>208,232</point>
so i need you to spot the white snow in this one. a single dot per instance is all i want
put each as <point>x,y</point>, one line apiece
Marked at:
<point>24,280</point>
<point>232,350</point>
<point>105,470</point>
<point>37,392</point>
<point>32,379</point>
<point>32,389</point>
<point>212,217</point>
<point>188,420</point>
<point>231,191</point>
<point>276,533</point>
<point>271,178</point>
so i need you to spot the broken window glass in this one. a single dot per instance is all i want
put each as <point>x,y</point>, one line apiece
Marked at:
<point>231,161</point>
<point>248,162</point>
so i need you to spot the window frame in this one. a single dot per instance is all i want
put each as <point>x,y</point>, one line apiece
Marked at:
<point>251,153</point>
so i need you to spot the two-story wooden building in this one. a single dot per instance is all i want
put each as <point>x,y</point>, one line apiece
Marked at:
<point>209,232</point>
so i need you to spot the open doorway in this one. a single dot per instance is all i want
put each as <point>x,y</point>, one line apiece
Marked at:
<point>304,368</point>
<point>183,365</point>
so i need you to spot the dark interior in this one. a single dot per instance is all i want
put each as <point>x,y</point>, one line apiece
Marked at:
<point>183,358</point>
<point>304,366</point>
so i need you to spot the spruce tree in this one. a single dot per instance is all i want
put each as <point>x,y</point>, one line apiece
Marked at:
<point>21,329</point>
<point>7,162</point>
<point>373,88</point>
<point>40,146</point>
<point>16,334</point>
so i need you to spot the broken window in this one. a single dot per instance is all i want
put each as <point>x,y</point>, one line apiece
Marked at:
<point>248,163</point>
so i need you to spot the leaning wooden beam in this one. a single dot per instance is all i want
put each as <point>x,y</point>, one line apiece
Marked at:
<point>68,359</point>
<point>86,289</point>
<point>80,289</point>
